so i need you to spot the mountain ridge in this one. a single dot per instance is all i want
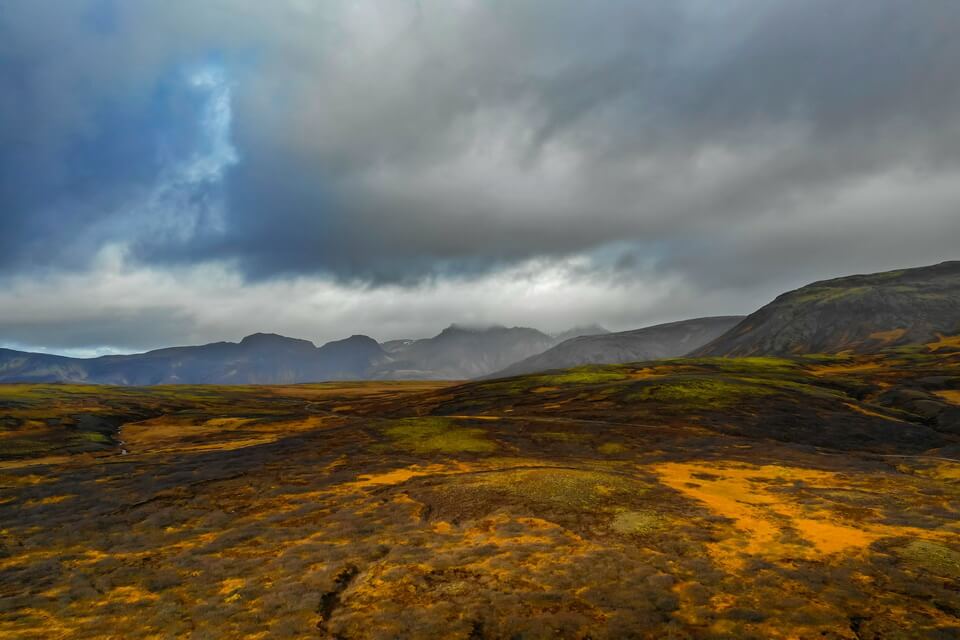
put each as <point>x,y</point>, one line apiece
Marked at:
<point>859,313</point>
<point>667,340</point>
<point>457,352</point>
<point>260,358</point>
<point>460,352</point>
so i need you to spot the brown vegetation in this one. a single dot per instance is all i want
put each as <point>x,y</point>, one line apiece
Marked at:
<point>813,497</point>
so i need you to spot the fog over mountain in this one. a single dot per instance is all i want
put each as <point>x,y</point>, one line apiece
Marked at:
<point>181,172</point>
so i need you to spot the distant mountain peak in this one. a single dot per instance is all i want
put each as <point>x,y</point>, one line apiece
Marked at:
<point>458,327</point>
<point>669,340</point>
<point>585,330</point>
<point>273,340</point>
<point>357,339</point>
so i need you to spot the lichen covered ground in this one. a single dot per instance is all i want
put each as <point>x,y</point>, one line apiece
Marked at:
<point>814,497</point>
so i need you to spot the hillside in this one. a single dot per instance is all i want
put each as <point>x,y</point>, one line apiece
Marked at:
<point>576,332</point>
<point>859,314</point>
<point>669,340</point>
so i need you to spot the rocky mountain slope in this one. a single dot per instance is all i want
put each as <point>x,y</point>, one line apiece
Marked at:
<point>462,352</point>
<point>860,314</point>
<point>576,332</point>
<point>669,340</point>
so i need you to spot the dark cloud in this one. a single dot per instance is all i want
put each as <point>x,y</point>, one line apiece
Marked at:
<point>124,331</point>
<point>749,143</point>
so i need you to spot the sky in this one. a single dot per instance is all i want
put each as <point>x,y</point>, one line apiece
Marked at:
<point>182,172</point>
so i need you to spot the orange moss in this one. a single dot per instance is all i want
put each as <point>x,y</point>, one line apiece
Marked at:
<point>952,397</point>
<point>943,342</point>
<point>764,519</point>
<point>35,462</point>
<point>216,434</point>
<point>442,527</point>
<point>131,595</point>
<point>843,369</point>
<point>888,336</point>
<point>868,412</point>
<point>399,476</point>
<point>49,500</point>
<point>230,586</point>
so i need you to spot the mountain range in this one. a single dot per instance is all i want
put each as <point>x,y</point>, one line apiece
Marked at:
<point>456,353</point>
<point>856,314</point>
<point>260,358</point>
<point>461,352</point>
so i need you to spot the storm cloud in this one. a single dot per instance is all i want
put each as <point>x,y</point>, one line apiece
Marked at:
<point>725,150</point>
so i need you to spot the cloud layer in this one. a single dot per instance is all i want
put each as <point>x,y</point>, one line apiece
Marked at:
<point>401,155</point>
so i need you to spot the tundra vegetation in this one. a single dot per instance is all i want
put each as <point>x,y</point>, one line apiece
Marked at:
<point>802,497</point>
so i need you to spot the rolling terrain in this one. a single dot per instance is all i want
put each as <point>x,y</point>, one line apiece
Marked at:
<point>669,340</point>
<point>800,497</point>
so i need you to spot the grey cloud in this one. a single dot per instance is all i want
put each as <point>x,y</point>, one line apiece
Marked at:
<point>397,142</point>
<point>92,327</point>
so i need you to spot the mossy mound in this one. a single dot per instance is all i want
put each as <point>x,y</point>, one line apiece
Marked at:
<point>933,557</point>
<point>636,522</point>
<point>584,375</point>
<point>438,435</point>
<point>698,393</point>
<point>567,488</point>
<point>612,448</point>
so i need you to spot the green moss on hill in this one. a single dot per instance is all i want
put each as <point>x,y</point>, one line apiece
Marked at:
<point>698,393</point>
<point>933,557</point>
<point>438,435</point>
